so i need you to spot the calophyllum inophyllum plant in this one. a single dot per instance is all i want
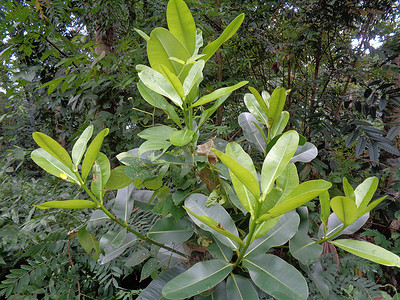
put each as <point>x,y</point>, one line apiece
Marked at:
<point>256,210</point>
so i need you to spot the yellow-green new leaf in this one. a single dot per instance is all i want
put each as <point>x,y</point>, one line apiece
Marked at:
<point>276,104</point>
<point>218,93</point>
<point>53,148</point>
<point>345,209</point>
<point>324,200</point>
<point>244,175</point>
<point>348,189</point>
<point>371,206</point>
<point>365,191</point>
<point>67,204</point>
<point>181,24</point>
<point>259,99</point>
<point>173,79</point>
<point>80,146</point>
<point>369,251</point>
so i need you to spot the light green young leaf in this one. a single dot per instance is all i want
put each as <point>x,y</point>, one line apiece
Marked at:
<point>181,137</point>
<point>199,278</point>
<point>194,76</point>
<point>300,195</point>
<point>279,125</point>
<point>288,180</point>
<point>161,132</point>
<point>156,81</point>
<point>324,200</point>
<point>163,45</point>
<point>218,93</point>
<point>371,206</point>
<point>276,104</point>
<point>53,148</point>
<point>80,146</point>
<point>348,189</point>
<point>259,99</point>
<point>101,174</point>
<point>154,145</point>
<point>210,111</point>
<point>277,159</point>
<point>88,242</point>
<point>369,251</point>
<point>247,199</point>
<point>52,165</point>
<point>255,109</point>
<point>229,31</point>
<point>244,175</point>
<point>365,191</point>
<point>276,277</point>
<point>173,80</point>
<point>92,152</point>
<point>118,179</point>
<point>142,34</point>
<point>67,204</point>
<point>181,24</point>
<point>345,209</point>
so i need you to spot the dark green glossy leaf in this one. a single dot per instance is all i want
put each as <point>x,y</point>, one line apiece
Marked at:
<point>303,248</point>
<point>240,288</point>
<point>170,230</point>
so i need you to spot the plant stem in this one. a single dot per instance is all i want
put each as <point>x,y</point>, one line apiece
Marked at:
<point>330,236</point>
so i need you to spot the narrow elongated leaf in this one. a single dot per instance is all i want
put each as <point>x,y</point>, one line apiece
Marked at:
<point>324,200</point>
<point>67,204</point>
<point>316,273</point>
<point>80,146</point>
<point>259,99</point>
<point>279,125</point>
<point>277,159</point>
<point>229,31</point>
<point>345,209</point>
<point>162,46</point>
<point>92,152</point>
<point>181,24</point>
<point>52,165</point>
<point>372,205</point>
<point>53,148</point>
<point>88,242</point>
<point>199,278</point>
<point>305,153</point>
<point>282,232</point>
<point>300,195</point>
<point>219,93</point>
<point>181,137</point>
<point>276,277</point>
<point>263,227</point>
<point>348,189</point>
<point>365,191</point>
<point>248,123</point>
<point>210,111</point>
<point>154,290</point>
<point>158,101</point>
<point>101,173</point>
<point>194,76</point>
<point>276,104</point>
<point>142,34</point>
<point>303,248</point>
<point>156,81</point>
<point>244,175</point>
<point>197,204</point>
<point>247,199</point>
<point>170,230</point>
<point>369,251</point>
<point>240,288</point>
<point>255,109</point>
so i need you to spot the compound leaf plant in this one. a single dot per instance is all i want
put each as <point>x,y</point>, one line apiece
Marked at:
<point>237,212</point>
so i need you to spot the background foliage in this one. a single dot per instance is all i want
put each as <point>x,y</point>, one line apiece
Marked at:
<point>67,64</point>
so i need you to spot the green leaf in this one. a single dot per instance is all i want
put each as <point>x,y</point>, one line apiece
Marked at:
<point>199,278</point>
<point>304,153</point>
<point>365,191</point>
<point>170,230</point>
<point>67,204</point>
<point>240,288</point>
<point>162,46</point>
<point>210,111</point>
<point>345,209</point>
<point>161,132</point>
<point>194,76</point>
<point>253,131</point>
<point>219,93</point>
<point>111,252</point>
<point>277,159</point>
<point>348,189</point>
<point>92,152</point>
<point>195,204</point>
<point>181,137</point>
<point>181,24</point>
<point>288,180</point>
<point>255,109</point>
<point>158,101</point>
<point>259,99</point>
<point>248,200</point>
<point>229,31</point>
<point>303,248</point>
<point>244,175</point>
<point>80,146</point>
<point>282,232</point>
<point>155,81</point>
<point>276,104</point>
<point>52,165</point>
<point>276,277</point>
<point>101,173</point>
<point>118,179</point>
<point>123,204</point>
<point>88,242</point>
<point>173,80</point>
<point>324,200</point>
<point>53,148</point>
<point>150,266</point>
<point>369,251</point>
<point>372,205</point>
<point>52,84</point>
<point>154,145</point>
<point>279,125</point>
<point>218,250</point>
<point>142,34</point>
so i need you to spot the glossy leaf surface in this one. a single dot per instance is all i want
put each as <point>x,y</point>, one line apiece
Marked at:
<point>240,288</point>
<point>251,132</point>
<point>303,248</point>
<point>170,230</point>
<point>80,145</point>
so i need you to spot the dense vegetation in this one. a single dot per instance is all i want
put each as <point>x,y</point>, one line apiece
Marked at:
<point>70,64</point>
